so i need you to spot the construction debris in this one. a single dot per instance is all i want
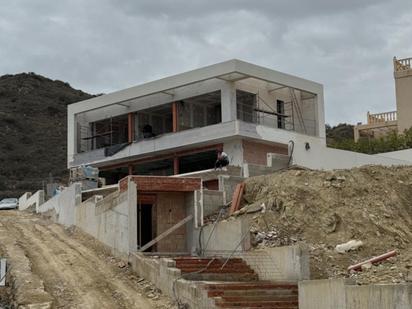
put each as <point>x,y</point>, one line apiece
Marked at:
<point>371,261</point>
<point>349,246</point>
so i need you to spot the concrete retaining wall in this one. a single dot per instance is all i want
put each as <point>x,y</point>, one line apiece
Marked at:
<point>289,263</point>
<point>163,274</point>
<point>63,205</point>
<point>322,294</point>
<point>32,201</point>
<point>385,296</point>
<point>228,185</point>
<point>111,220</point>
<point>212,201</point>
<point>106,220</point>
<point>23,200</point>
<point>343,294</point>
<point>251,170</point>
<point>227,235</point>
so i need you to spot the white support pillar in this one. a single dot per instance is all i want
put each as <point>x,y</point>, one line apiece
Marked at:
<point>228,100</point>
<point>320,116</point>
<point>71,135</point>
<point>132,214</point>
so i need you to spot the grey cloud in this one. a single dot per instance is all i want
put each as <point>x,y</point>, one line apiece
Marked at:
<point>105,45</point>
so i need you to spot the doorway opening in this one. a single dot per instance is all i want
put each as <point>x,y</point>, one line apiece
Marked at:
<point>145,231</point>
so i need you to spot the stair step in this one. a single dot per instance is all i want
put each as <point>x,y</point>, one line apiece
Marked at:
<point>223,277</point>
<point>258,298</point>
<point>251,286</point>
<point>275,307</point>
<point>261,292</point>
<point>217,270</point>
<point>257,304</point>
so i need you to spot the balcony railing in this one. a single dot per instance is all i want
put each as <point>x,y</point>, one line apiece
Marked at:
<point>381,117</point>
<point>402,64</point>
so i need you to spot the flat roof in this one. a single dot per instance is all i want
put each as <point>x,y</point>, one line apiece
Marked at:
<point>231,70</point>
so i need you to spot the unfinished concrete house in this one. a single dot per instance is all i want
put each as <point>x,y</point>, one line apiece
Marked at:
<point>380,124</point>
<point>162,204</point>
<point>174,125</point>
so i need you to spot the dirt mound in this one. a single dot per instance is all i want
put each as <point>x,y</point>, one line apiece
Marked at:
<point>323,209</point>
<point>33,130</point>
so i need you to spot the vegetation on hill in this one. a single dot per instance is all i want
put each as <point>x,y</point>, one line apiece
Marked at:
<point>342,131</point>
<point>33,131</point>
<point>341,137</point>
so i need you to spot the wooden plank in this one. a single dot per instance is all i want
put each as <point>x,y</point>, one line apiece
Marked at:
<point>166,233</point>
<point>175,116</point>
<point>237,197</point>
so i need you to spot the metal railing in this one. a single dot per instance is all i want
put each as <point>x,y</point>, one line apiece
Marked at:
<point>402,64</point>
<point>382,117</point>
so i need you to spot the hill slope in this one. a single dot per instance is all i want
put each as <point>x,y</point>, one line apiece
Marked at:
<point>32,130</point>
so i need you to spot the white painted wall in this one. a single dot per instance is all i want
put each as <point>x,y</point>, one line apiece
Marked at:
<point>111,220</point>
<point>319,156</point>
<point>64,204</point>
<point>27,200</point>
<point>234,149</point>
<point>405,155</point>
<point>110,226</point>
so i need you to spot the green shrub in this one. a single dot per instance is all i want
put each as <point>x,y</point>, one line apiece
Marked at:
<point>391,142</point>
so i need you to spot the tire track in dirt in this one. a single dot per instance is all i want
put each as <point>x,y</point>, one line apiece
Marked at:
<point>72,273</point>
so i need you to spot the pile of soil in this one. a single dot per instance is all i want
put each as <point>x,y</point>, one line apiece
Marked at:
<point>322,209</point>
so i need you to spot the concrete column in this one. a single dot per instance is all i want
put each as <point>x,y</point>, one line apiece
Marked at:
<point>175,165</point>
<point>356,133</point>
<point>228,101</point>
<point>130,127</point>
<point>175,117</point>
<point>320,117</point>
<point>132,215</point>
<point>71,136</point>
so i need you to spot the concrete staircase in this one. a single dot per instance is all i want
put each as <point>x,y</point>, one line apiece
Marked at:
<point>259,294</point>
<point>210,269</point>
<point>236,285</point>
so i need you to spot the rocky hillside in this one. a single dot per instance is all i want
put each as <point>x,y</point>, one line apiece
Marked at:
<point>338,133</point>
<point>32,131</point>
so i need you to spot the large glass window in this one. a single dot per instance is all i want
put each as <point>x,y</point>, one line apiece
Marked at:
<point>200,111</point>
<point>108,132</point>
<point>246,105</point>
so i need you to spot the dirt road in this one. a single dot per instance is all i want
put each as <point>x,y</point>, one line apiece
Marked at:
<point>67,268</point>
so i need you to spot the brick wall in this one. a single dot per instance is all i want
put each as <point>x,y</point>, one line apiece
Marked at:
<point>170,209</point>
<point>256,153</point>
<point>162,184</point>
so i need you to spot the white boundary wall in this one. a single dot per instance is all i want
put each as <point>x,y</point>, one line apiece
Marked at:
<point>64,204</point>
<point>319,156</point>
<point>27,200</point>
<point>405,155</point>
<point>344,294</point>
<point>111,220</point>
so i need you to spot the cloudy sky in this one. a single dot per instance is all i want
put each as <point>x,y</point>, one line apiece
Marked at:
<point>105,45</point>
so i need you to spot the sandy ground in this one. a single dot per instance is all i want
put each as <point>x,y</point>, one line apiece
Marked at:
<point>68,269</point>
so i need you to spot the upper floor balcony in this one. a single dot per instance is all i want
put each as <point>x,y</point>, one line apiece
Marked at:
<point>400,65</point>
<point>381,117</point>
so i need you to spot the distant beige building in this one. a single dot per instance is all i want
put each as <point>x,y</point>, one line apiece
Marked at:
<point>400,120</point>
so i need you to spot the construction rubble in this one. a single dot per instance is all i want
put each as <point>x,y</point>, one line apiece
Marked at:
<point>343,216</point>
